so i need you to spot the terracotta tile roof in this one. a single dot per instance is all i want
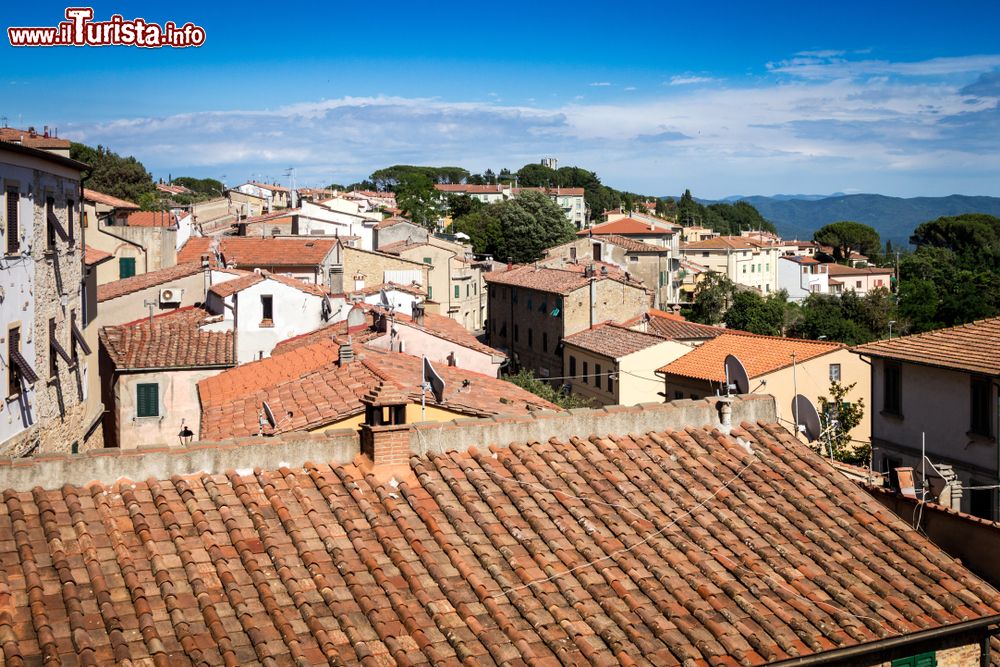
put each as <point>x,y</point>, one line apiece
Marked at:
<point>842,270</point>
<point>973,347</point>
<point>799,259</point>
<point>394,220</point>
<point>675,327</point>
<point>397,247</point>
<point>375,289</point>
<point>172,189</point>
<point>174,340</point>
<point>559,192</point>
<point>248,252</point>
<point>231,287</point>
<point>107,200</point>
<point>626,226</point>
<point>444,327</point>
<point>194,248</point>
<point>760,355</point>
<point>92,256</point>
<point>273,187</point>
<point>151,219</point>
<point>32,140</point>
<point>562,280</point>
<point>324,392</point>
<point>631,245</point>
<point>727,242</point>
<point>118,288</point>
<point>613,340</point>
<point>572,552</point>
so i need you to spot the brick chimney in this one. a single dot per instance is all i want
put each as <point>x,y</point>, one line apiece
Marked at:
<point>385,435</point>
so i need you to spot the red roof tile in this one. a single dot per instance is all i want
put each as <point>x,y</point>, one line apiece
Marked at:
<point>318,391</point>
<point>107,200</point>
<point>174,340</point>
<point>375,289</point>
<point>626,227</point>
<point>151,219</point>
<point>229,287</point>
<point>92,256</point>
<point>394,220</point>
<point>673,327</point>
<point>562,280</point>
<point>274,187</point>
<point>974,348</point>
<point>118,288</point>
<point>36,140</point>
<point>194,248</point>
<point>728,242</point>
<point>760,355</point>
<point>613,340</point>
<point>631,245</point>
<point>842,270</point>
<point>248,252</point>
<point>573,552</point>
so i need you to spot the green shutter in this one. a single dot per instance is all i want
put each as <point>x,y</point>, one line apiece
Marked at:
<point>147,400</point>
<point>126,267</point>
<point>922,660</point>
<point>457,291</point>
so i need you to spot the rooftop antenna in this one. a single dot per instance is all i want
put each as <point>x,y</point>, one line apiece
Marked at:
<point>737,379</point>
<point>433,382</point>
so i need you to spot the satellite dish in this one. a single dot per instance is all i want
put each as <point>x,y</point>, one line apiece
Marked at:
<point>269,415</point>
<point>806,417</point>
<point>736,375</point>
<point>383,299</point>
<point>435,381</point>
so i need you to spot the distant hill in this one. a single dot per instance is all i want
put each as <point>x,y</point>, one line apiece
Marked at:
<point>893,217</point>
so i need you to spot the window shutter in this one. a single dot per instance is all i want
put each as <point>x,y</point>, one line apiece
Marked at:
<point>126,267</point>
<point>147,400</point>
<point>13,236</point>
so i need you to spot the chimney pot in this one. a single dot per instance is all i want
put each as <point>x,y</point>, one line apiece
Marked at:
<point>346,354</point>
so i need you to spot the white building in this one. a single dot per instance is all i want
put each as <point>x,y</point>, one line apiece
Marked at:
<point>801,276</point>
<point>744,261</point>
<point>570,200</point>
<point>265,308</point>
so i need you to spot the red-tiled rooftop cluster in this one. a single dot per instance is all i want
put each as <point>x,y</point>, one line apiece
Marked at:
<point>669,548</point>
<point>973,347</point>
<point>118,288</point>
<point>759,355</point>
<point>171,340</point>
<point>613,340</point>
<point>562,280</point>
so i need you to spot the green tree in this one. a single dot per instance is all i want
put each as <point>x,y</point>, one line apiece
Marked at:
<point>461,205</point>
<point>849,238</point>
<point>838,416</point>
<point>519,229</point>
<point>536,175</point>
<point>417,198</point>
<point>752,312</point>
<point>526,380</point>
<point>712,297</point>
<point>112,174</point>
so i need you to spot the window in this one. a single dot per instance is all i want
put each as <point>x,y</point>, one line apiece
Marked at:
<point>678,395</point>
<point>586,373</point>
<point>857,283</point>
<point>611,384</point>
<point>834,372</point>
<point>633,258</point>
<point>69,219</point>
<point>126,267</point>
<point>892,388</point>
<point>597,375</point>
<point>705,254</point>
<point>50,230</point>
<point>753,268</point>
<point>427,260</point>
<point>13,228</point>
<point>468,289</point>
<point>922,660</point>
<point>517,336</point>
<point>572,366</point>
<point>663,278</point>
<point>545,341</point>
<point>767,267</point>
<point>13,372</point>
<point>981,395</point>
<point>531,337</point>
<point>744,268</point>
<point>572,253</point>
<point>147,400</point>
<point>266,308</point>
<point>430,292</point>
<point>513,294</point>
<point>981,501</point>
<point>53,366</point>
<point>458,291</point>
<point>530,303</point>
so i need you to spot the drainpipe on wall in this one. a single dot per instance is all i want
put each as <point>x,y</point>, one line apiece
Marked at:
<point>145,254</point>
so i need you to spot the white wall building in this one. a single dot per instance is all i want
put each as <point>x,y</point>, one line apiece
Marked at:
<point>801,276</point>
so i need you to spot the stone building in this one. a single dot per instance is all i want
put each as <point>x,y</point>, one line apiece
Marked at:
<point>46,358</point>
<point>532,309</point>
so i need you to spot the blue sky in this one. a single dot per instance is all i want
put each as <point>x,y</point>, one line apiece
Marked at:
<point>723,98</point>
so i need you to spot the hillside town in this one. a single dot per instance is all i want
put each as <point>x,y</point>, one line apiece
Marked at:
<point>270,424</point>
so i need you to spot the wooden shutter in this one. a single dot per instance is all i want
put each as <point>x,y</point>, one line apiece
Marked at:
<point>147,400</point>
<point>13,347</point>
<point>126,267</point>
<point>13,229</point>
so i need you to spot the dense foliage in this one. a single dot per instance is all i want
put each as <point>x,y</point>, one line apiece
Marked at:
<point>518,229</point>
<point>526,380</point>
<point>838,415</point>
<point>112,174</point>
<point>849,238</point>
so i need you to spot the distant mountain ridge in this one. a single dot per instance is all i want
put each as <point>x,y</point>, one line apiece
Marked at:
<point>798,216</point>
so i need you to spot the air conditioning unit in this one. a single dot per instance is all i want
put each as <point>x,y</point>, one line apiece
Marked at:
<point>171,295</point>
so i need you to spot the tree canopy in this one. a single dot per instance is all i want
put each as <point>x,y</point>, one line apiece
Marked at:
<point>112,174</point>
<point>849,238</point>
<point>519,228</point>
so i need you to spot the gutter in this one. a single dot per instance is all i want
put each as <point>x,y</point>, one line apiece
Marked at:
<point>852,653</point>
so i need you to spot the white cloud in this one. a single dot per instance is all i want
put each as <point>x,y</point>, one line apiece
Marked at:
<point>896,135</point>
<point>599,84</point>
<point>828,65</point>
<point>689,79</point>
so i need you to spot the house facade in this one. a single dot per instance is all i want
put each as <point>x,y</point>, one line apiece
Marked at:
<point>47,361</point>
<point>936,395</point>
<point>861,280</point>
<point>570,200</point>
<point>744,261</point>
<point>801,276</point>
